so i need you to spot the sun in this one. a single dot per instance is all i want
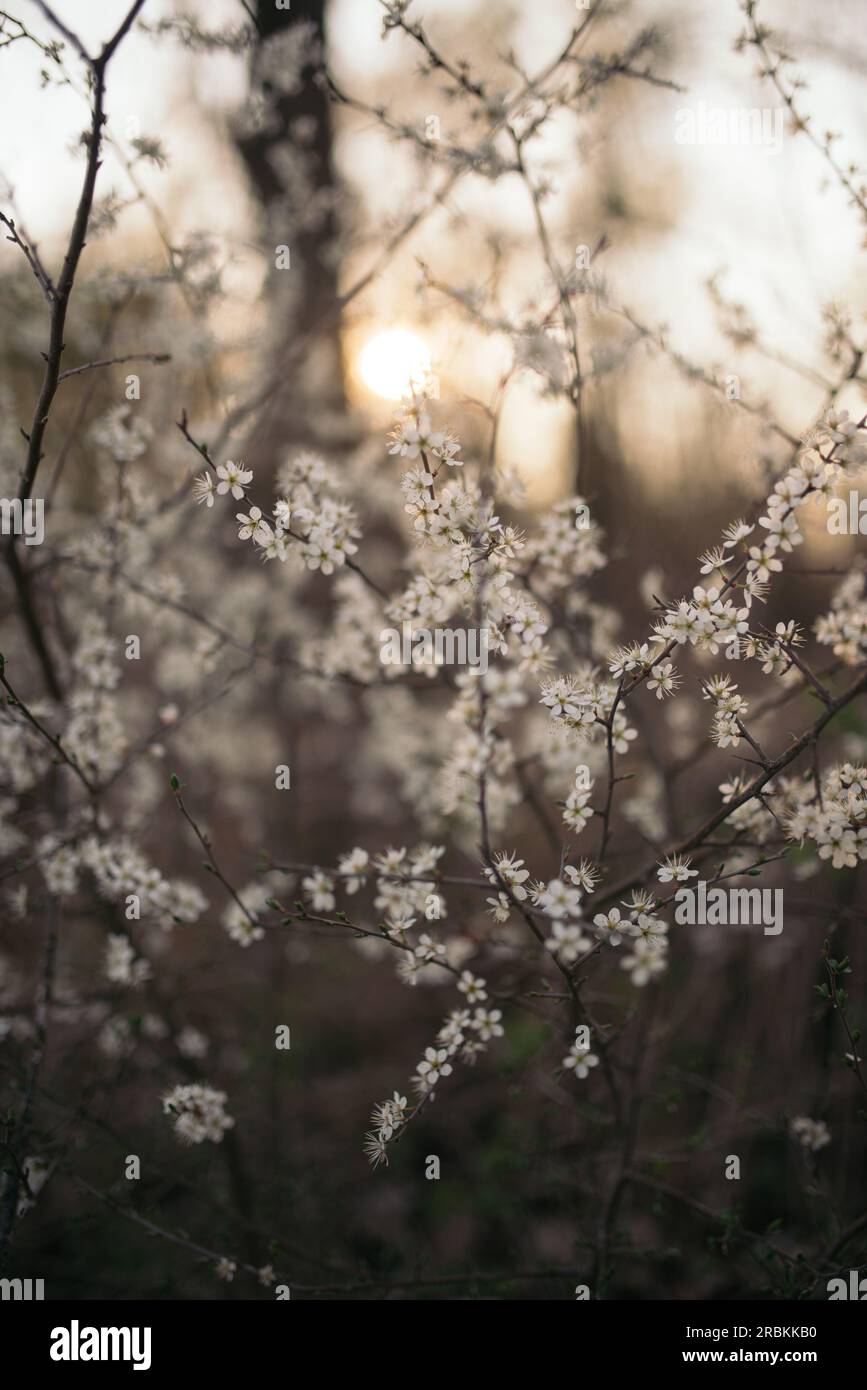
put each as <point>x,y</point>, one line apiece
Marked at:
<point>393,363</point>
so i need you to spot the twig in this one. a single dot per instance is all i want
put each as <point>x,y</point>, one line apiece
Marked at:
<point>53,739</point>
<point>155,357</point>
<point>32,256</point>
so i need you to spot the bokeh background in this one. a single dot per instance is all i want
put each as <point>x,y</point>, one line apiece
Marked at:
<point>749,260</point>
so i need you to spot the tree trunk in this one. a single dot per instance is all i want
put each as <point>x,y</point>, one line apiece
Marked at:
<point>288,159</point>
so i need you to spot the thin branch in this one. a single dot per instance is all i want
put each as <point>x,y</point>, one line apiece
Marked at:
<point>211,864</point>
<point>32,255</point>
<point>54,740</point>
<point>154,357</point>
<point>59,306</point>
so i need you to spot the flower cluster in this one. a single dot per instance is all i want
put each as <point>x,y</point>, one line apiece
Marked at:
<point>715,621</point>
<point>572,936</point>
<point>122,873</point>
<point>577,812</point>
<point>813,1134</point>
<point>94,734</point>
<point>844,627</point>
<point>240,917</point>
<point>730,709</point>
<point>199,1113</point>
<point>386,1120</point>
<point>122,966</point>
<point>588,711</point>
<point>836,821</point>
<point>464,1035</point>
<point>307,520</point>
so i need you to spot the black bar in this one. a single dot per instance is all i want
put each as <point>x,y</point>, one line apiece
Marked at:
<point>234,1337</point>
